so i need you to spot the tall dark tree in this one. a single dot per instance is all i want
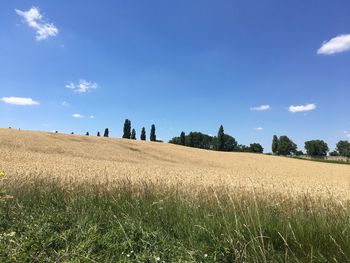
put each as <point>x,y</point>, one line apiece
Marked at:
<point>182,138</point>
<point>133,134</point>
<point>221,139</point>
<point>190,140</point>
<point>106,134</point>
<point>143,134</point>
<point>343,148</point>
<point>153,136</point>
<point>127,129</point>
<point>275,144</point>
<point>316,148</point>
<point>98,134</point>
<point>87,134</point>
<point>286,146</point>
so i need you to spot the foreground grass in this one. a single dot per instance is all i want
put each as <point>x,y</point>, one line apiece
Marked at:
<point>47,223</point>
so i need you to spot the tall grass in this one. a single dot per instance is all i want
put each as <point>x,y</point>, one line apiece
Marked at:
<point>45,222</point>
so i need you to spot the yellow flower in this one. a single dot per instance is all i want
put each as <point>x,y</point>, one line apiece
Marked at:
<point>2,174</point>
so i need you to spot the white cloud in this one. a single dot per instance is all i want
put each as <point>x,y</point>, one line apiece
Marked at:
<point>65,103</point>
<point>302,108</point>
<point>92,117</point>
<point>261,108</point>
<point>34,19</point>
<point>19,101</point>
<point>347,133</point>
<point>77,115</point>
<point>259,128</point>
<point>83,86</point>
<point>337,44</point>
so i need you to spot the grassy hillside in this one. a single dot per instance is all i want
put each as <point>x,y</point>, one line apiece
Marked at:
<point>69,198</point>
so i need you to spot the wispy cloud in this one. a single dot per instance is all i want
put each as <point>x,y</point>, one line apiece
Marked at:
<point>65,104</point>
<point>259,128</point>
<point>347,134</point>
<point>77,115</point>
<point>34,19</point>
<point>302,108</point>
<point>82,87</point>
<point>335,45</point>
<point>19,101</point>
<point>92,117</point>
<point>261,108</point>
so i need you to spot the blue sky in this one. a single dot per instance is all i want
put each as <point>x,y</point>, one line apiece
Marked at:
<point>257,67</point>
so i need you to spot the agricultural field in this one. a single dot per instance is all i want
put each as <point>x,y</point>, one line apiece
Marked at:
<point>71,198</point>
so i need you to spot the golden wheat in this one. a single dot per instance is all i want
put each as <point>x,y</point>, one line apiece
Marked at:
<point>28,155</point>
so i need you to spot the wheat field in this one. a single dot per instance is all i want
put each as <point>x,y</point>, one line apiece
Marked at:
<point>28,155</point>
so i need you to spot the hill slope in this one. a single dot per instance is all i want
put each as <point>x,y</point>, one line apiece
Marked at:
<point>25,155</point>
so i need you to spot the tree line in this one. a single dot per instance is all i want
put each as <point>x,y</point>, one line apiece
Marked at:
<point>281,145</point>
<point>221,142</point>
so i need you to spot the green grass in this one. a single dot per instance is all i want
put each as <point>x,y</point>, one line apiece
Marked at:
<point>141,223</point>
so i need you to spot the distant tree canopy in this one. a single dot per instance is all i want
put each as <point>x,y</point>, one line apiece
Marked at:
<point>87,134</point>
<point>205,141</point>
<point>133,134</point>
<point>143,134</point>
<point>220,139</point>
<point>275,144</point>
<point>256,148</point>
<point>285,146</point>
<point>106,134</point>
<point>182,138</point>
<point>343,148</point>
<point>316,148</point>
<point>153,136</point>
<point>127,129</point>
<point>98,134</point>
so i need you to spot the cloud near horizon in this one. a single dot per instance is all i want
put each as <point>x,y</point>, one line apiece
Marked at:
<point>34,19</point>
<point>77,115</point>
<point>261,108</point>
<point>82,87</point>
<point>302,108</point>
<point>335,45</point>
<point>259,128</point>
<point>19,101</point>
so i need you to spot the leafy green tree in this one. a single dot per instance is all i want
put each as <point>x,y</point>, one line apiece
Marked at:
<point>98,134</point>
<point>343,148</point>
<point>106,133</point>
<point>334,153</point>
<point>299,153</point>
<point>221,139</point>
<point>143,134</point>
<point>286,146</point>
<point>316,148</point>
<point>256,148</point>
<point>153,136</point>
<point>182,138</point>
<point>274,144</point>
<point>127,129</point>
<point>190,140</point>
<point>230,143</point>
<point>133,134</point>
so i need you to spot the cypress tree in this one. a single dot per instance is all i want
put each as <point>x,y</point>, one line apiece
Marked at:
<point>127,129</point>
<point>153,136</point>
<point>98,134</point>
<point>274,144</point>
<point>143,134</point>
<point>182,138</point>
<point>133,134</point>
<point>106,134</point>
<point>221,139</point>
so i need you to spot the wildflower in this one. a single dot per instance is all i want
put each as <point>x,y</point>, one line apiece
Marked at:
<point>157,258</point>
<point>205,255</point>
<point>2,174</point>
